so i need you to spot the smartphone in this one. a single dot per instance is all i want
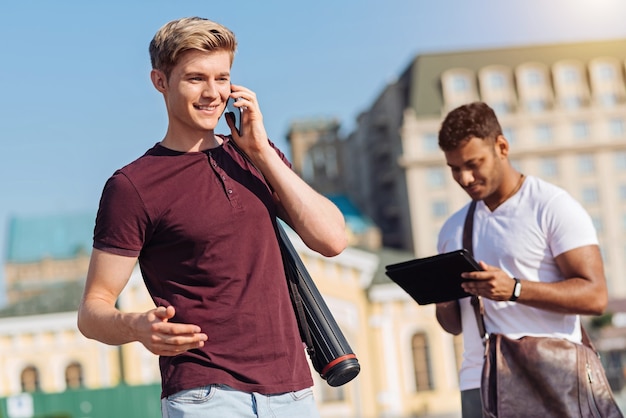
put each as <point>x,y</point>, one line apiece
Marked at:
<point>235,111</point>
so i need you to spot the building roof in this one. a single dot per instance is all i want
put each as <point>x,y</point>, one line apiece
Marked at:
<point>314,124</point>
<point>425,70</point>
<point>355,219</point>
<point>62,236</point>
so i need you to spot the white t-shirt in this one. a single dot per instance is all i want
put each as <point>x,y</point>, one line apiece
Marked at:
<point>522,237</point>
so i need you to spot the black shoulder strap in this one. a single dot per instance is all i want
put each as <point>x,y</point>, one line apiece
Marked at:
<point>477,303</point>
<point>290,264</point>
<point>468,228</point>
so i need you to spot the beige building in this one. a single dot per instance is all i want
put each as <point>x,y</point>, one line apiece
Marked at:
<point>562,108</point>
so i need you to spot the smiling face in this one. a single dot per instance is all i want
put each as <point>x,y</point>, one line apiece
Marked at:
<point>195,93</point>
<point>479,167</point>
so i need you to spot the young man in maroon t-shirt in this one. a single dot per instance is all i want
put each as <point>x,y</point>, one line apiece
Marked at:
<point>201,222</point>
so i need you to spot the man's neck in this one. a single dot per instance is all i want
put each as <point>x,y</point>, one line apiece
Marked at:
<point>511,185</point>
<point>191,142</point>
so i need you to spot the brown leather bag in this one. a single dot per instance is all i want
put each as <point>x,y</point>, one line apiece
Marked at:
<point>539,376</point>
<point>544,377</point>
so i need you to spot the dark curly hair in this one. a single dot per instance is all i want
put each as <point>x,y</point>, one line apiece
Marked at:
<point>465,122</point>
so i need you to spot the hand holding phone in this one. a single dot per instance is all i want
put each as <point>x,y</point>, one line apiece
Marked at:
<point>236,111</point>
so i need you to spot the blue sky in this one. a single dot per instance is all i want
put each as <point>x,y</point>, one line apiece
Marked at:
<point>76,100</point>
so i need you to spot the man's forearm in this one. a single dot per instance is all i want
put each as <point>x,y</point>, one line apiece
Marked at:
<point>104,323</point>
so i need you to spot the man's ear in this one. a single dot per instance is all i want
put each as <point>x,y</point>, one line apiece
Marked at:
<point>502,146</point>
<point>158,80</point>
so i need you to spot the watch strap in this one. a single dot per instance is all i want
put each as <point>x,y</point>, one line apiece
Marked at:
<point>517,289</point>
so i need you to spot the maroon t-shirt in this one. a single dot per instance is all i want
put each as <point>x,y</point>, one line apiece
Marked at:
<point>203,227</point>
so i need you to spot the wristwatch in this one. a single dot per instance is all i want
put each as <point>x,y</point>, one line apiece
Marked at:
<point>517,289</point>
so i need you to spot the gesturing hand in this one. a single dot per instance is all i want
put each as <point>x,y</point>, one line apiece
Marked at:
<point>166,338</point>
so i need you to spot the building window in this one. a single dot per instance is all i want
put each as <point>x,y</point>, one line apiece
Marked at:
<point>570,83</point>
<point>318,157</point>
<point>500,108</point>
<point>622,192</point>
<point>586,164</point>
<point>436,177</point>
<point>543,133</point>
<point>74,376</point>
<point>509,134</point>
<point>332,167</point>
<point>497,81</point>
<point>606,72</point>
<point>534,77</point>
<point>571,75</point>
<point>590,196</point>
<point>431,142</point>
<point>496,88</point>
<point>549,167</point>
<point>607,83</point>
<point>308,169</point>
<point>580,130</point>
<point>533,87</point>
<point>460,84</point>
<point>30,379</point>
<point>537,105</point>
<point>572,102</point>
<point>607,99</point>
<point>459,87</point>
<point>421,363</point>
<point>440,209</point>
<point>616,127</point>
<point>619,160</point>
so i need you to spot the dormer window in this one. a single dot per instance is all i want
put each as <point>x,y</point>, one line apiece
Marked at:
<point>459,87</point>
<point>607,81</point>
<point>533,86</point>
<point>570,84</point>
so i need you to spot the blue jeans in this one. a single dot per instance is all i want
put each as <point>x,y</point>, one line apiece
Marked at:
<point>219,401</point>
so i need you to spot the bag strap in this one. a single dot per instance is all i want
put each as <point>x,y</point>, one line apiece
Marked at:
<point>285,247</point>
<point>477,303</point>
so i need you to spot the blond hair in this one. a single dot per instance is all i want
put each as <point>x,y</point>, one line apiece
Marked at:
<point>185,34</point>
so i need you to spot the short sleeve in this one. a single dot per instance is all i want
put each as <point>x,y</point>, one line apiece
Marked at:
<point>568,225</point>
<point>122,221</point>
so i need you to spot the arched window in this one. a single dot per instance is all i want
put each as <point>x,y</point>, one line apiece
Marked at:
<point>570,83</point>
<point>459,87</point>
<point>421,363</point>
<point>607,81</point>
<point>74,376</point>
<point>534,87</point>
<point>30,379</point>
<point>497,88</point>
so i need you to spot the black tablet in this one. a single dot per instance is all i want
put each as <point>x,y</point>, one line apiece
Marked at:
<point>434,279</point>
